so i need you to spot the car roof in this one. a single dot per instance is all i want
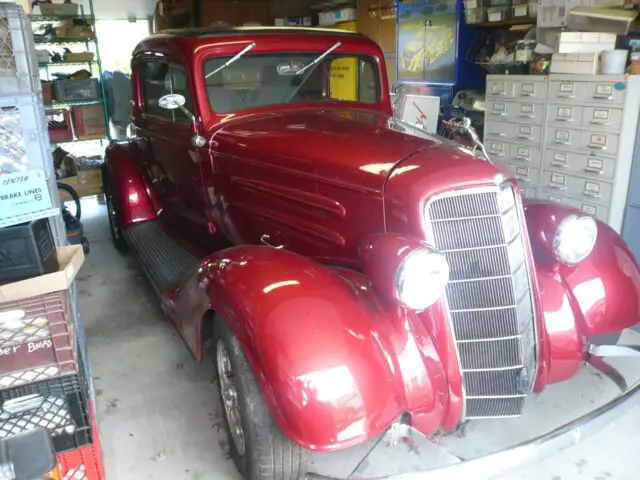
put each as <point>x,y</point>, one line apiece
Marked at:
<point>189,39</point>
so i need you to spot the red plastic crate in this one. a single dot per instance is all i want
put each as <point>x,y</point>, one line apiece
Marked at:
<point>59,125</point>
<point>83,463</point>
<point>37,339</point>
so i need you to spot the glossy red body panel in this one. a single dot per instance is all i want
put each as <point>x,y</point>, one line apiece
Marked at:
<point>337,358</point>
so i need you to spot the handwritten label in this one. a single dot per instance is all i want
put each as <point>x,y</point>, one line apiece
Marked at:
<point>598,139</point>
<point>23,192</point>
<point>31,347</point>
<point>560,157</point>
<point>562,135</point>
<point>566,87</point>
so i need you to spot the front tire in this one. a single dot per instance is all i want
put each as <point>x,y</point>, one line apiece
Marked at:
<point>257,446</point>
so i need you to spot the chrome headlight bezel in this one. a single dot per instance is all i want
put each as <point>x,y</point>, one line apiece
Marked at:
<point>421,278</point>
<point>575,238</point>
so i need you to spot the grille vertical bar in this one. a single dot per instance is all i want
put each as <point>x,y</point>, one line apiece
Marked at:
<point>488,296</point>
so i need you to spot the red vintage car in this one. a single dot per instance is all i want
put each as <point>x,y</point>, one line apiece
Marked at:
<point>351,275</point>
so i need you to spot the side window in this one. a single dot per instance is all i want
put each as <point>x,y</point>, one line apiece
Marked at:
<point>159,78</point>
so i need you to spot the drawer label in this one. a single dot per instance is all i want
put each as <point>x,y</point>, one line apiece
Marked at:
<point>592,187</point>
<point>604,89</point>
<point>553,198</point>
<point>560,157</point>
<point>595,163</point>
<point>558,178</point>
<point>524,152</point>
<point>562,135</point>
<point>526,108</point>
<point>528,88</point>
<point>525,130</point>
<point>590,209</point>
<point>498,87</point>
<point>565,112</point>
<point>499,107</point>
<point>497,147</point>
<point>522,171</point>
<point>601,113</point>
<point>566,87</point>
<point>598,139</point>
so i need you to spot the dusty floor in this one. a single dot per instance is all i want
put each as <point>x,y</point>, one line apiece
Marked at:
<point>157,409</point>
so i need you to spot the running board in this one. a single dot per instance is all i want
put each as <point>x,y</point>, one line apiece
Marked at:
<point>166,263</point>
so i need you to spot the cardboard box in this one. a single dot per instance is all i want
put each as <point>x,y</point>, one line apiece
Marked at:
<point>580,63</point>
<point>70,260</point>
<point>586,42</point>
<point>89,122</point>
<point>74,32</point>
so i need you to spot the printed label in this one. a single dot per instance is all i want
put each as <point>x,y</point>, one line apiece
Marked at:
<point>526,108</point>
<point>565,112</point>
<point>590,209</point>
<point>601,114</point>
<point>559,179</point>
<point>528,88</point>
<point>499,107</point>
<point>562,135</point>
<point>604,89</point>
<point>595,163</point>
<point>524,152</point>
<point>598,139</point>
<point>525,130</point>
<point>23,192</point>
<point>560,157</point>
<point>566,87</point>
<point>591,187</point>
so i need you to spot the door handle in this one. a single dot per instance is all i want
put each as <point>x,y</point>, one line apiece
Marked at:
<point>266,240</point>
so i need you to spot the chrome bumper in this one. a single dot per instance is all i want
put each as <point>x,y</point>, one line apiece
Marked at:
<point>538,448</point>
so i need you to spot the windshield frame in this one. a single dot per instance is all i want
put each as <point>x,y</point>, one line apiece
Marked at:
<point>355,45</point>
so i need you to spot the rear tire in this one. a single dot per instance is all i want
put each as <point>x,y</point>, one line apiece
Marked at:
<point>116,234</point>
<point>264,452</point>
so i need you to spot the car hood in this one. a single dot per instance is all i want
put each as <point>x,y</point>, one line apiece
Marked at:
<point>352,148</point>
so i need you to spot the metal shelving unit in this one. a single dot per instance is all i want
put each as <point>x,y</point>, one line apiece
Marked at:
<point>94,66</point>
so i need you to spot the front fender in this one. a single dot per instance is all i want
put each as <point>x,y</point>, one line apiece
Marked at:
<point>599,295</point>
<point>124,180</point>
<point>335,367</point>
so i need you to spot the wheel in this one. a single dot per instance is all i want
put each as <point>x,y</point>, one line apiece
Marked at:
<point>85,245</point>
<point>116,234</point>
<point>74,197</point>
<point>258,447</point>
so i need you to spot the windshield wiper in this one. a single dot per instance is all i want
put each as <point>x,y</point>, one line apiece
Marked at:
<point>311,65</point>
<point>319,58</point>
<point>232,59</point>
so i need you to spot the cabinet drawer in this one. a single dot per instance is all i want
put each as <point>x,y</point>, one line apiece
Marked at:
<point>520,112</point>
<point>529,90</point>
<point>524,154</point>
<point>499,88</point>
<point>564,114</point>
<point>598,168</point>
<point>527,176</point>
<point>605,92</point>
<point>562,137</point>
<point>576,187</point>
<point>598,211</point>
<point>567,91</point>
<point>602,117</point>
<point>598,142</point>
<point>514,132</point>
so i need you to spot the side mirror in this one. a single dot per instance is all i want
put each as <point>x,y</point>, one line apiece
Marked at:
<point>174,101</point>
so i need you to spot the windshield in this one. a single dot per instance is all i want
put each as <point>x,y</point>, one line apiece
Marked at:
<point>258,80</point>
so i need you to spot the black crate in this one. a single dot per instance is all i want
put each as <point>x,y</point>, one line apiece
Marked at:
<point>65,411</point>
<point>27,250</point>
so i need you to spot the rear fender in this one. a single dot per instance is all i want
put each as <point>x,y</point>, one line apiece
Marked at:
<point>124,180</point>
<point>599,295</point>
<point>329,359</point>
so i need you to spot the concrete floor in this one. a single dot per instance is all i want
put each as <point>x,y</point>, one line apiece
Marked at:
<point>158,410</point>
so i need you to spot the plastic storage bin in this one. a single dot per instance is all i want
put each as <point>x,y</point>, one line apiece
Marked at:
<point>24,143</point>
<point>18,62</point>
<point>475,15</point>
<point>26,251</point>
<point>60,125</point>
<point>497,14</point>
<point>72,90</point>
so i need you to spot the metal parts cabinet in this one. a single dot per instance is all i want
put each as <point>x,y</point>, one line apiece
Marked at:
<point>581,134</point>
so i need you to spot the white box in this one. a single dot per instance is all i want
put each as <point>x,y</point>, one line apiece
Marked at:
<point>586,42</point>
<point>326,19</point>
<point>345,15</point>
<point>279,22</point>
<point>306,21</point>
<point>579,63</point>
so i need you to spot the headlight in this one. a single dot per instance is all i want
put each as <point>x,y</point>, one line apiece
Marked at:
<point>575,238</point>
<point>421,278</point>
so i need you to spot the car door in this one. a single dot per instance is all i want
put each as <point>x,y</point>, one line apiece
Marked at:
<point>173,163</point>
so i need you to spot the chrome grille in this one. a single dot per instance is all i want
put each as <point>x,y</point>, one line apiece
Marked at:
<point>488,296</point>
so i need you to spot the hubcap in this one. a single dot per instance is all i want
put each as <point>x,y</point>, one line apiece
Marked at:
<point>230,396</point>
<point>113,220</point>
